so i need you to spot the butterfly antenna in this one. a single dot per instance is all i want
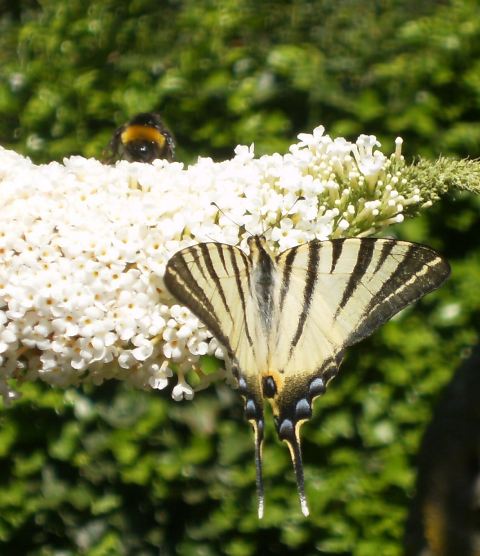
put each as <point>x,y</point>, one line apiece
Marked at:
<point>290,435</point>
<point>299,198</point>
<point>258,428</point>
<point>240,226</point>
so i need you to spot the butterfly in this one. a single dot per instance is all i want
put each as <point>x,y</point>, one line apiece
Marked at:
<point>285,321</point>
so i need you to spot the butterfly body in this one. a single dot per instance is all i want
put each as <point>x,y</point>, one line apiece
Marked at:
<point>286,320</point>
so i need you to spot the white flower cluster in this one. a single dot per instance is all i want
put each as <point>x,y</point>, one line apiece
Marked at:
<point>83,248</point>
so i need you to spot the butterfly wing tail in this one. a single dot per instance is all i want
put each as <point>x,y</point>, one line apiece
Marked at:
<point>250,390</point>
<point>258,429</point>
<point>290,434</point>
<point>292,406</point>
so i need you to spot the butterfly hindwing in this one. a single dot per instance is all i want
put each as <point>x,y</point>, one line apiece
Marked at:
<point>286,321</point>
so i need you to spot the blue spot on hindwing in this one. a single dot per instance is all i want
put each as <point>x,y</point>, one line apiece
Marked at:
<point>303,409</point>
<point>317,387</point>
<point>286,429</point>
<point>242,385</point>
<point>250,409</point>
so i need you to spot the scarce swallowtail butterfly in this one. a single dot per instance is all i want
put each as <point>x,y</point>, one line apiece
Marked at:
<point>286,320</point>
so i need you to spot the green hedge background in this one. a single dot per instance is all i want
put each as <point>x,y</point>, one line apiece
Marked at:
<point>110,470</point>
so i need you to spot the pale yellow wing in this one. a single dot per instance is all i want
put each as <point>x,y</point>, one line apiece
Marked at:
<point>332,294</point>
<point>213,281</point>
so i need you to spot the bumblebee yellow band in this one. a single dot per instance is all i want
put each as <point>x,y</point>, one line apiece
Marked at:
<point>139,132</point>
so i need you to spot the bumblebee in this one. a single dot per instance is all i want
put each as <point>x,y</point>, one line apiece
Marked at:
<point>143,139</point>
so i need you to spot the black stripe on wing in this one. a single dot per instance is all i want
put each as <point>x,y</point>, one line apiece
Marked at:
<point>364,258</point>
<point>287,271</point>
<point>183,285</point>
<point>337,247</point>
<point>420,270</point>
<point>236,271</point>
<point>213,275</point>
<point>310,281</point>
<point>221,255</point>
<point>384,253</point>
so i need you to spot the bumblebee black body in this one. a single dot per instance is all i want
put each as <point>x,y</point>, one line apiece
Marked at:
<point>143,139</point>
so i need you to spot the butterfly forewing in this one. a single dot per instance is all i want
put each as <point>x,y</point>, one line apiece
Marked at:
<point>358,284</point>
<point>213,281</point>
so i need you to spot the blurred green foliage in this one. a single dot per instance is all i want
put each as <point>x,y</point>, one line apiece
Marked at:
<point>115,471</point>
